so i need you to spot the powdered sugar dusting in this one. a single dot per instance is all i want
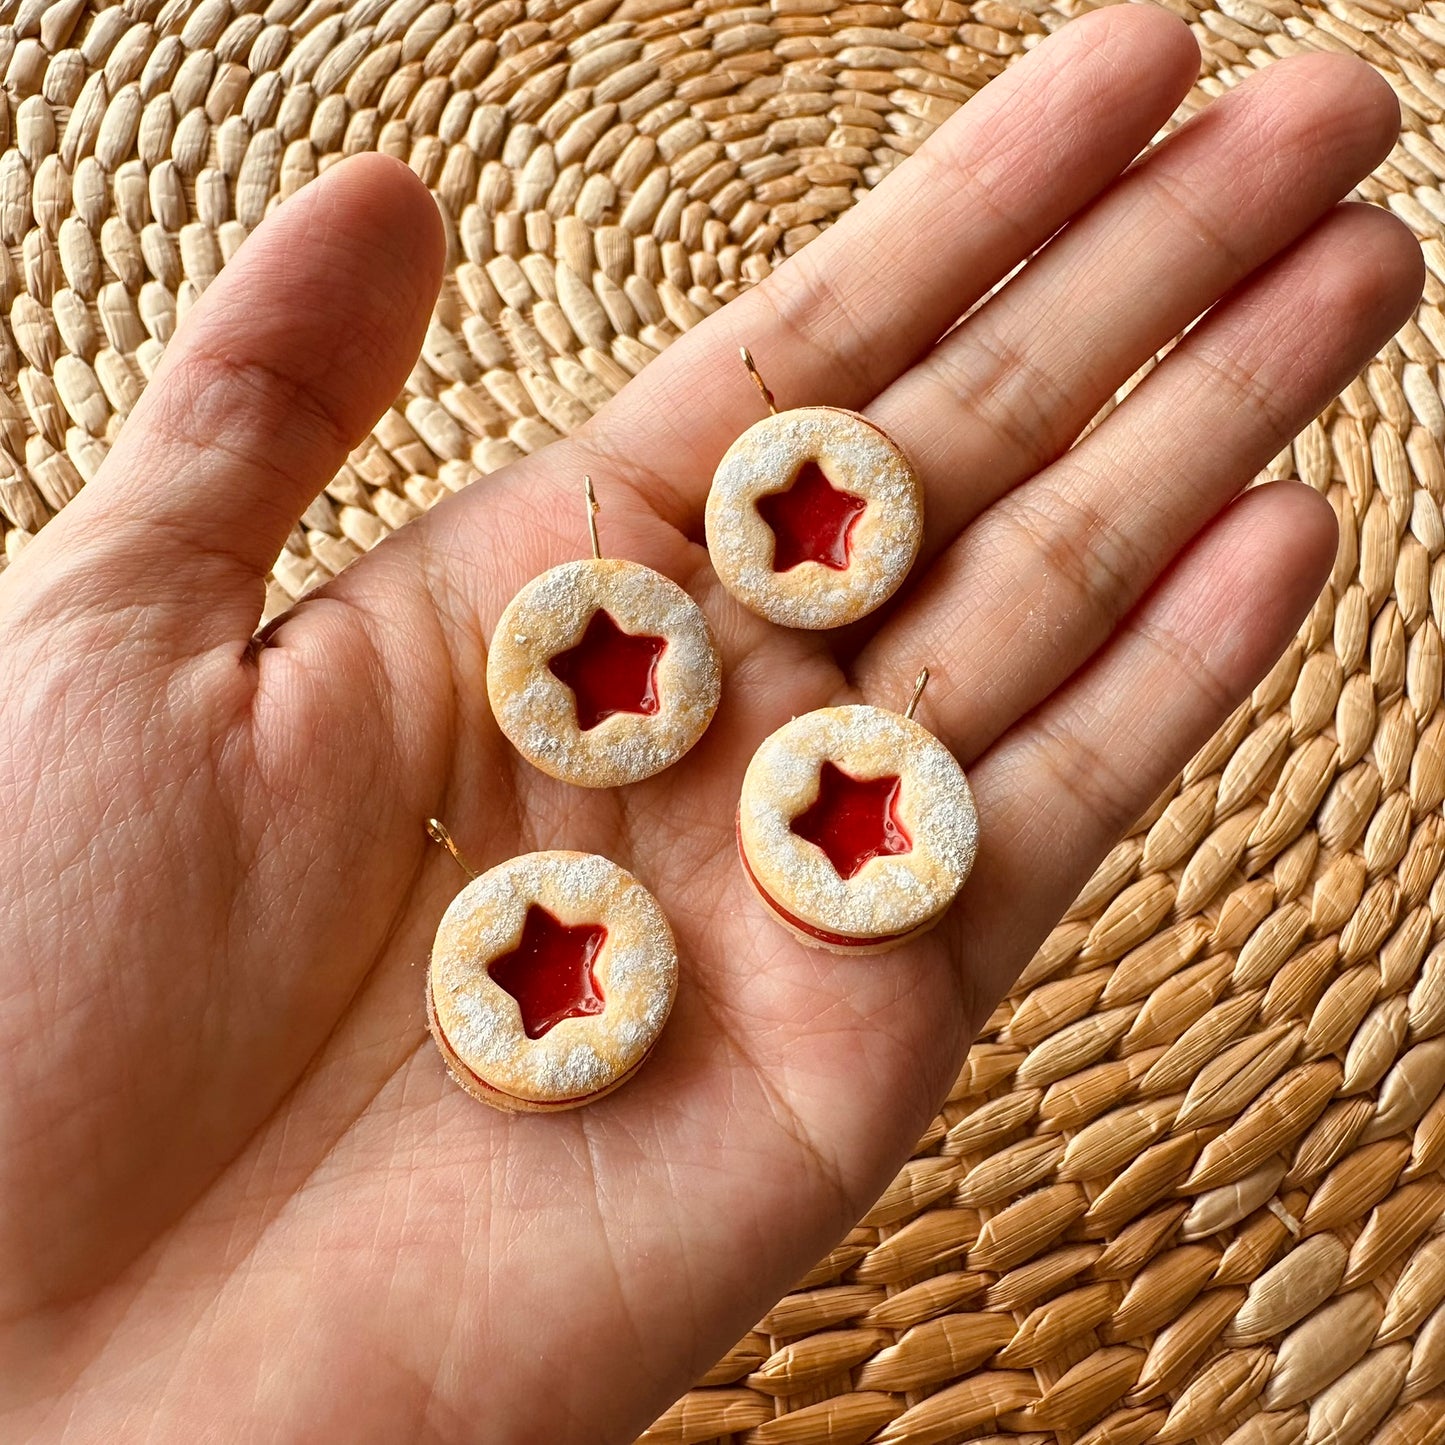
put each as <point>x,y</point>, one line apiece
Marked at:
<point>889,894</point>
<point>536,710</point>
<point>636,970</point>
<point>856,457</point>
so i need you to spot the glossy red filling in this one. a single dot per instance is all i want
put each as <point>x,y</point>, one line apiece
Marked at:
<point>811,521</point>
<point>853,819</point>
<point>836,940</point>
<point>610,671</point>
<point>549,972</point>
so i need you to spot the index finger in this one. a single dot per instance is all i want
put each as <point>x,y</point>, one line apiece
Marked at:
<point>853,310</point>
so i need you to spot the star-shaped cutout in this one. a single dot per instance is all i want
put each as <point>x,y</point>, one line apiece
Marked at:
<point>853,819</point>
<point>610,671</point>
<point>811,520</point>
<point>549,972</point>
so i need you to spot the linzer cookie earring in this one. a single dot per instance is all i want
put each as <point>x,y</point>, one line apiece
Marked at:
<point>550,979</point>
<point>814,516</point>
<point>856,827</point>
<point>602,672</point>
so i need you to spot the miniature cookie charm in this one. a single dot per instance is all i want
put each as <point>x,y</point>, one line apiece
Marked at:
<point>814,517</point>
<point>602,672</point>
<point>550,979</point>
<point>856,827</point>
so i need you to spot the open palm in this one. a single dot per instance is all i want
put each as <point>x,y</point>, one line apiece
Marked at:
<point>237,1183</point>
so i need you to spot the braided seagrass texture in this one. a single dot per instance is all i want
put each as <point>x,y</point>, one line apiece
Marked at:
<point>1189,1185</point>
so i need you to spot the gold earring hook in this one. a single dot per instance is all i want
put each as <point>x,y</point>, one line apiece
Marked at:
<point>917,693</point>
<point>758,380</point>
<point>437,831</point>
<point>593,507</point>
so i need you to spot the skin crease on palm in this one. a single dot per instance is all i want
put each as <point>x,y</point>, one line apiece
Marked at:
<point>242,1200</point>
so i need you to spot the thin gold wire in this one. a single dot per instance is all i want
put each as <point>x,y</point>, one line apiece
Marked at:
<point>758,379</point>
<point>917,693</point>
<point>438,832</point>
<point>593,507</point>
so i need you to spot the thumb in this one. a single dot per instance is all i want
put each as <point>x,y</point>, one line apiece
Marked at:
<point>280,369</point>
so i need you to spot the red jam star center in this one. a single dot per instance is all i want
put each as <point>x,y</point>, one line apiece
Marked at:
<point>811,521</point>
<point>853,819</point>
<point>610,671</point>
<point>549,972</point>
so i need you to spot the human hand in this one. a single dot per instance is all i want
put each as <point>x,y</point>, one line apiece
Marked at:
<point>238,1185</point>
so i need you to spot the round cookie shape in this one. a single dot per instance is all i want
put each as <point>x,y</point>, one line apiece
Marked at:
<point>856,827</point>
<point>550,979</point>
<point>603,672</point>
<point>814,517</point>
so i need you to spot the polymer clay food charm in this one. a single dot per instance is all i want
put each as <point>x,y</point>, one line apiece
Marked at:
<point>550,979</point>
<point>814,516</point>
<point>602,672</point>
<point>856,827</point>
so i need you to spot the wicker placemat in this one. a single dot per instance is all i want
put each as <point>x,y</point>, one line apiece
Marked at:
<point>1189,1184</point>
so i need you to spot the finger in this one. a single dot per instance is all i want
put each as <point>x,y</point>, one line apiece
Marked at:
<point>1043,577</point>
<point>1009,390</point>
<point>859,304</point>
<point>277,373</point>
<point>1058,792</point>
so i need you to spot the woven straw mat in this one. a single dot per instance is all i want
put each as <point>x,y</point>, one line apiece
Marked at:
<point>1189,1185</point>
